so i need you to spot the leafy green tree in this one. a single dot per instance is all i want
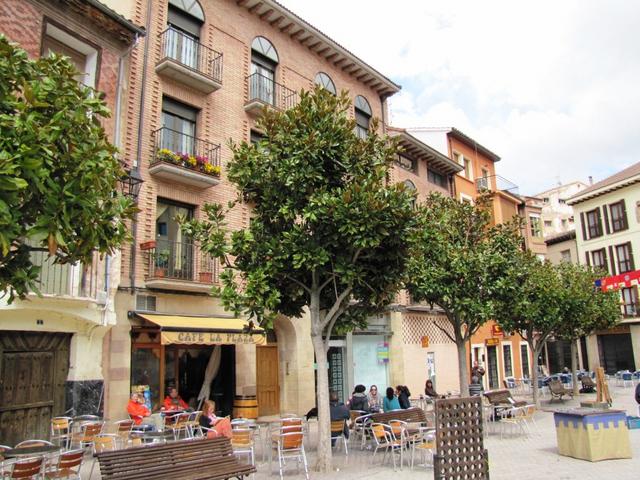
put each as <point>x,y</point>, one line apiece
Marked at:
<point>58,171</point>
<point>460,263</point>
<point>327,235</point>
<point>585,308</point>
<point>532,305</point>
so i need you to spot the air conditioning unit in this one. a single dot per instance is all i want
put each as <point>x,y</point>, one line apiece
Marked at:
<point>482,183</point>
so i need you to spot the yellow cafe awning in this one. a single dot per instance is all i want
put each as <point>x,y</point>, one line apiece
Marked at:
<point>192,330</point>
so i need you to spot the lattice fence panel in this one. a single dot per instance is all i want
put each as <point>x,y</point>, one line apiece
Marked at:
<point>460,453</point>
<point>416,326</point>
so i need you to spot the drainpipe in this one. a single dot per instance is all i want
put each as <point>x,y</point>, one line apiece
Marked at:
<point>137,160</point>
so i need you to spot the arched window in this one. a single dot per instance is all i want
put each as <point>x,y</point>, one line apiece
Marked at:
<point>264,60</point>
<point>410,186</point>
<point>325,82</point>
<point>182,39</point>
<point>363,116</point>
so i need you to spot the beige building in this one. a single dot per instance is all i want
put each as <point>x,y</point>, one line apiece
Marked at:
<point>607,235</point>
<point>557,216</point>
<point>51,346</point>
<point>530,211</point>
<point>562,247</point>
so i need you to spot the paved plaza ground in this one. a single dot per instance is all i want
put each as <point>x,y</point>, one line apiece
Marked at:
<point>511,457</point>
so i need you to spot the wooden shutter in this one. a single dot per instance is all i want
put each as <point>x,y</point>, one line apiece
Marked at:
<point>605,210</point>
<point>612,260</point>
<point>588,257</point>
<point>631,256</point>
<point>599,217</point>
<point>604,259</point>
<point>584,226</point>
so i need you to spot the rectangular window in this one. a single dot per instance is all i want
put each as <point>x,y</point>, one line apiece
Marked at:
<point>179,122</point>
<point>594,223</point>
<point>524,357</point>
<point>175,253</point>
<point>437,178</point>
<point>625,257</point>
<point>547,224</point>
<point>406,163</point>
<point>534,226</point>
<point>506,355</point>
<point>629,301</point>
<point>362,124</point>
<point>599,259</point>
<point>465,163</point>
<point>618,214</point>
<point>565,255</point>
<point>83,54</point>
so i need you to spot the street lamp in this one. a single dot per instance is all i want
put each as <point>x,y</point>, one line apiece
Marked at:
<point>131,183</point>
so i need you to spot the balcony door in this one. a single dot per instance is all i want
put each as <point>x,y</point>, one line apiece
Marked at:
<point>182,42</point>
<point>264,61</point>
<point>179,122</point>
<point>174,249</point>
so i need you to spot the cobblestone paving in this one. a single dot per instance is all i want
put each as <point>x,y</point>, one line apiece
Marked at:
<point>511,457</point>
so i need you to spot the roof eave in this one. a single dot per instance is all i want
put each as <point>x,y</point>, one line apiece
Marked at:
<point>471,142</point>
<point>431,155</point>
<point>272,12</point>
<point>584,196</point>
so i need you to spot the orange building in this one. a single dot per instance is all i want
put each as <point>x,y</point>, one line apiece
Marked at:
<point>502,355</point>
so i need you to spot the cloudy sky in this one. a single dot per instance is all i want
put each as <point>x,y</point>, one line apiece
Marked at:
<point>553,87</point>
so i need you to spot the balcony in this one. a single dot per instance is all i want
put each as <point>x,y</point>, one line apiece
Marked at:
<point>75,282</point>
<point>189,62</point>
<point>264,92</point>
<point>185,159</point>
<point>496,183</point>
<point>179,266</point>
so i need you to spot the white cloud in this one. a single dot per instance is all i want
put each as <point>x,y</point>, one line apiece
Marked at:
<point>550,86</point>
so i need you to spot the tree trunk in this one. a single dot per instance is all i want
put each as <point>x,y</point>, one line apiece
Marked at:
<point>534,371</point>
<point>462,366</point>
<point>323,462</point>
<point>574,367</point>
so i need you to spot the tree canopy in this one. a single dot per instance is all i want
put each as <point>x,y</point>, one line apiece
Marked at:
<point>460,262</point>
<point>328,235</point>
<point>58,171</point>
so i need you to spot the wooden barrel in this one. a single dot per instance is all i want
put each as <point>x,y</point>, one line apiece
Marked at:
<point>245,406</point>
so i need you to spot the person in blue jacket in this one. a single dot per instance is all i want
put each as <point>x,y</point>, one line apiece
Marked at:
<point>390,401</point>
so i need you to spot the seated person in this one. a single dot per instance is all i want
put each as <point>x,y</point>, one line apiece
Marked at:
<point>390,401</point>
<point>173,401</point>
<point>429,391</point>
<point>140,414</point>
<point>213,425</point>
<point>359,400</point>
<point>338,411</point>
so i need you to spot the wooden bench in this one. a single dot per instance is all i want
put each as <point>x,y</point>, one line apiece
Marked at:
<point>206,459</point>
<point>410,415</point>
<point>557,390</point>
<point>499,398</point>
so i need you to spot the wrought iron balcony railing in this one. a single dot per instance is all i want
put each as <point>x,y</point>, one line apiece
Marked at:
<point>266,90</point>
<point>182,261</point>
<point>186,151</point>
<point>189,52</point>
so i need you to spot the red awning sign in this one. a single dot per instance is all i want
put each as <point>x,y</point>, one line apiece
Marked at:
<point>624,280</point>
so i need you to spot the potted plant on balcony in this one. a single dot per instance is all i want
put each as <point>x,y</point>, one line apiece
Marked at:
<point>161,262</point>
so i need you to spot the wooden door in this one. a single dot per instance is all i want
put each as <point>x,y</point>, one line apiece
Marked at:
<point>268,388</point>
<point>33,371</point>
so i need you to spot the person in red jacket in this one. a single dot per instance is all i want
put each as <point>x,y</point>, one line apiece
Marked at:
<point>174,402</point>
<point>136,409</point>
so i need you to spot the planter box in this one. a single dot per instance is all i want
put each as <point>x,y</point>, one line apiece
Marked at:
<point>205,277</point>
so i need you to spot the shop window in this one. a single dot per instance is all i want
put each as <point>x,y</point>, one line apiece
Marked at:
<point>264,60</point>
<point>324,80</point>
<point>618,215</point>
<point>80,52</point>
<point>145,373</point>
<point>625,257</point>
<point>524,358</point>
<point>363,116</point>
<point>508,364</point>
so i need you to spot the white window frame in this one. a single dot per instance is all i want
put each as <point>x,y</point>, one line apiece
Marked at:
<point>91,65</point>
<point>466,198</point>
